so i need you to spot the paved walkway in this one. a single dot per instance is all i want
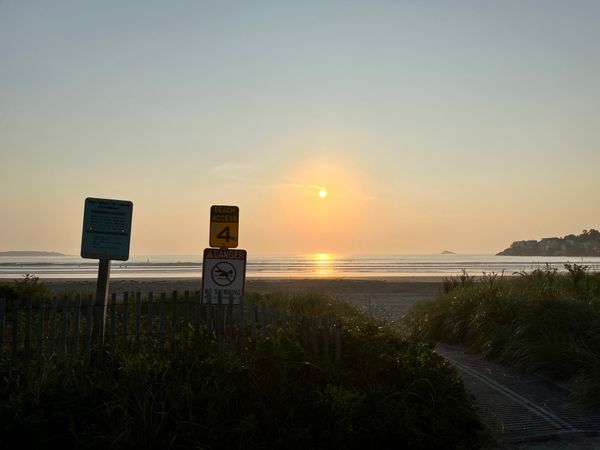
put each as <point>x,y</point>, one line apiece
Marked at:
<point>524,412</point>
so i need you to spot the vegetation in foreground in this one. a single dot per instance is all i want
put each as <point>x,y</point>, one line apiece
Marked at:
<point>386,393</point>
<point>541,322</point>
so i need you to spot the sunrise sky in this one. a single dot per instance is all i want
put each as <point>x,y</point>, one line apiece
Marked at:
<point>458,125</point>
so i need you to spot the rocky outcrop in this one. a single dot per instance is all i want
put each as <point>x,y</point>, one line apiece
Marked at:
<point>585,244</point>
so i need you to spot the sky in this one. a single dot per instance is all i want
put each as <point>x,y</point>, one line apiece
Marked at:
<point>438,125</point>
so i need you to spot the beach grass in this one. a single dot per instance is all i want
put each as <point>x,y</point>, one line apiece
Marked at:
<point>542,322</point>
<point>385,392</point>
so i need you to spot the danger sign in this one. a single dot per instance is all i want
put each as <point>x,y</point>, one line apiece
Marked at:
<point>223,274</point>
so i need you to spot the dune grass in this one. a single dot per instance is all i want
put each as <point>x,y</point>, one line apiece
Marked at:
<point>387,392</point>
<point>541,322</point>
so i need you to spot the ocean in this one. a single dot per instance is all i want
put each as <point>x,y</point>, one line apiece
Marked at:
<point>321,265</point>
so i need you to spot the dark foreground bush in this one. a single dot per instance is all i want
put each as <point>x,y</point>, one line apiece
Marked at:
<point>386,393</point>
<point>543,322</point>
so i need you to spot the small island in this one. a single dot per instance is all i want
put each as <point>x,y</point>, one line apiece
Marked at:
<point>447,252</point>
<point>585,244</point>
<point>30,253</point>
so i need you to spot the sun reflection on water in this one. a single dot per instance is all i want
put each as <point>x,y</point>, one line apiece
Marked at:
<point>323,263</point>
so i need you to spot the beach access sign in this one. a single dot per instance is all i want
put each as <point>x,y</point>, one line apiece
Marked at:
<point>224,226</point>
<point>106,229</point>
<point>223,275</point>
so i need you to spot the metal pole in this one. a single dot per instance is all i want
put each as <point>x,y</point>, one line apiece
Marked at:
<point>101,301</point>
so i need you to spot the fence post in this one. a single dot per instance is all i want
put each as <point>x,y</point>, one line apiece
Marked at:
<point>53,325</point>
<point>41,310</point>
<point>173,321</point>
<point>338,341</point>
<point>101,301</point>
<point>138,319</point>
<point>64,318</point>
<point>161,324</point>
<point>242,332</point>
<point>77,319</point>
<point>89,325</point>
<point>325,332</point>
<point>186,319</point>
<point>230,320</point>
<point>314,330</point>
<point>27,343</point>
<point>124,322</point>
<point>2,309</point>
<point>263,312</point>
<point>220,324</point>
<point>253,322</point>
<point>15,329</point>
<point>113,318</point>
<point>149,314</point>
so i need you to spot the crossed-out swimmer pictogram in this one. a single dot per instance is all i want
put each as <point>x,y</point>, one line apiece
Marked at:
<point>223,274</point>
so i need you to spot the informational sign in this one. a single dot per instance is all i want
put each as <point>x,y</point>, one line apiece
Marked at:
<point>223,274</point>
<point>106,229</point>
<point>224,226</point>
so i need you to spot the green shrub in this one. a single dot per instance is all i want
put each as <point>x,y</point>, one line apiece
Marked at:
<point>543,321</point>
<point>387,392</point>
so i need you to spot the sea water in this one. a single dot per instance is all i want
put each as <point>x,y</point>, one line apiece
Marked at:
<point>320,265</point>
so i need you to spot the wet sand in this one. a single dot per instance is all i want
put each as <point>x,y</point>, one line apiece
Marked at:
<point>387,298</point>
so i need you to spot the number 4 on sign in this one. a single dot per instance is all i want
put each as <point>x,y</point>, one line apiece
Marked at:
<point>224,234</point>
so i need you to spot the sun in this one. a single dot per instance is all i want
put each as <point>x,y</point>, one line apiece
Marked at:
<point>322,193</point>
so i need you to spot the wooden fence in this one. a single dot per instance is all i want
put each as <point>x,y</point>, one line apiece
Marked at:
<point>34,330</point>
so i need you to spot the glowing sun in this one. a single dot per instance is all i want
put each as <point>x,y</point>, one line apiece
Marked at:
<point>322,193</point>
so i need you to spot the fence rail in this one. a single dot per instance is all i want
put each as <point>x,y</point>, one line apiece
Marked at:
<point>34,330</point>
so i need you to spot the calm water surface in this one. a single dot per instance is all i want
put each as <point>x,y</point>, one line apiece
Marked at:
<point>322,265</point>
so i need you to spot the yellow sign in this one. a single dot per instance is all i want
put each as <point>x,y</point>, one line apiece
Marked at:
<point>224,226</point>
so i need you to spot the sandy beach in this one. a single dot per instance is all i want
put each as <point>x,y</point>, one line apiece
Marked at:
<point>387,298</point>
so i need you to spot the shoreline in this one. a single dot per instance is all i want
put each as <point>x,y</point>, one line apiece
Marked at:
<point>388,298</point>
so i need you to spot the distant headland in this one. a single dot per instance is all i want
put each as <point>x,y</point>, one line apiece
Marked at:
<point>447,252</point>
<point>585,244</point>
<point>30,253</point>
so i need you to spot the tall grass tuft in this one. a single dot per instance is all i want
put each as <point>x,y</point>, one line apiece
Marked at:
<point>543,321</point>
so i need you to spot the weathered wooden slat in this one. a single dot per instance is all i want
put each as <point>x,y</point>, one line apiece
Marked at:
<point>2,311</point>
<point>27,343</point>
<point>242,325</point>
<point>325,332</point>
<point>161,326</point>
<point>220,324</point>
<point>338,341</point>
<point>263,319</point>
<point>89,325</point>
<point>76,323</point>
<point>186,319</point>
<point>40,317</point>
<point>231,320</point>
<point>124,321</point>
<point>314,337</point>
<point>15,329</point>
<point>253,321</point>
<point>209,308</point>
<point>149,332</point>
<point>113,317</point>
<point>53,326</point>
<point>138,319</point>
<point>174,320</point>
<point>64,318</point>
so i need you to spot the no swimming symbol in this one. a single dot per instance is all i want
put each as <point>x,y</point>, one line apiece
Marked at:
<point>223,274</point>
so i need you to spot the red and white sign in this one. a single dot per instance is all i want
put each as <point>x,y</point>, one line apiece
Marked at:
<point>223,275</point>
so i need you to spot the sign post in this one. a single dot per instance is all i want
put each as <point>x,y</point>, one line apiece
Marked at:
<point>106,236</point>
<point>223,269</point>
